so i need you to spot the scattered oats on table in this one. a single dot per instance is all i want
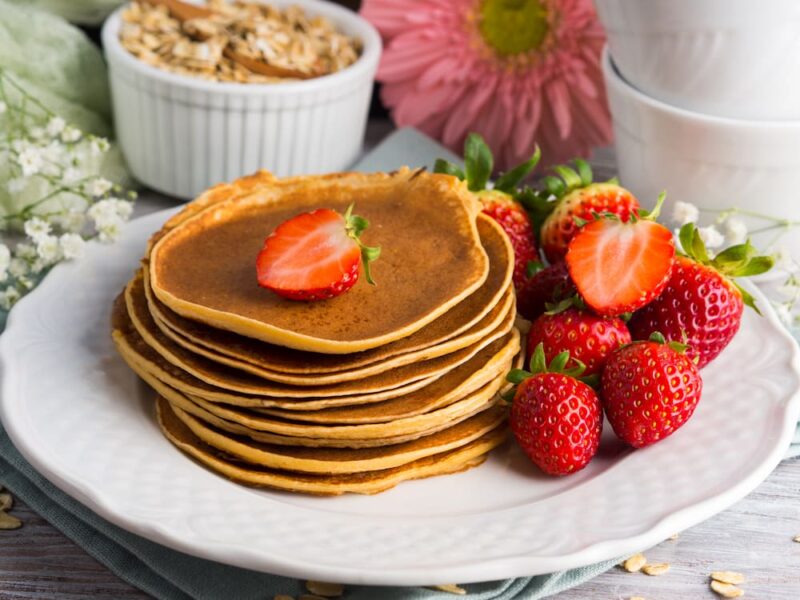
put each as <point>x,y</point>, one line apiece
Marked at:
<point>634,563</point>
<point>727,577</point>
<point>325,589</point>
<point>287,39</point>
<point>655,569</point>
<point>450,588</point>
<point>726,590</point>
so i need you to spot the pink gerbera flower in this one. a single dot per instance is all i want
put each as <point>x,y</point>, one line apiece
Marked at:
<point>519,72</point>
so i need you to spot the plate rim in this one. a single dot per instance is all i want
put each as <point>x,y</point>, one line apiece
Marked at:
<point>466,572</point>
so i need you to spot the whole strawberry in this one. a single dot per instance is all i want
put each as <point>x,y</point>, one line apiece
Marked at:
<point>542,286</point>
<point>556,419</point>
<point>588,338</point>
<point>701,305</point>
<point>578,199</point>
<point>499,202</point>
<point>649,390</point>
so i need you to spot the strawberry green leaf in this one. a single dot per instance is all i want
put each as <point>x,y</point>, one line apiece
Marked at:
<point>554,186</point>
<point>478,162</point>
<point>533,267</point>
<point>570,177</point>
<point>354,225</point>
<point>756,266</point>
<point>558,307</point>
<point>444,166</point>
<point>584,170</point>
<point>699,252</point>
<point>538,364</point>
<point>517,376</point>
<point>509,181</point>
<point>537,205</point>
<point>657,337</point>
<point>579,222</point>
<point>685,236</point>
<point>678,347</point>
<point>558,363</point>
<point>575,371</point>
<point>652,215</point>
<point>593,381</point>
<point>747,298</point>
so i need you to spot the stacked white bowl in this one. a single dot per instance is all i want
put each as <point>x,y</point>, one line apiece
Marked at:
<point>705,99</point>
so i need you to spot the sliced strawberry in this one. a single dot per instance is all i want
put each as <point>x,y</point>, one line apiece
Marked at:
<point>619,267</point>
<point>315,256</point>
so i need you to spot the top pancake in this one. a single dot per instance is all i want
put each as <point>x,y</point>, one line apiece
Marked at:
<point>204,268</point>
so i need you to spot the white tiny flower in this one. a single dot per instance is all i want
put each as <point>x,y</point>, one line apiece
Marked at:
<point>74,221</point>
<point>54,152</point>
<point>70,134</point>
<point>711,237</point>
<point>103,212</point>
<point>49,249</point>
<point>18,145</point>
<point>72,245</point>
<point>71,175</point>
<point>735,231</point>
<point>26,251</point>
<point>55,126</point>
<point>18,267</point>
<point>5,261</point>
<point>684,212</point>
<point>17,184</point>
<point>784,313</point>
<point>30,160</point>
<point>3,107</point>
<point>37,133</point>
<point>8,297</point>
<point>783,258</point>
<point>110,231</point>
<point>97,187</point>
<point>99,146</point>
<point>123,208</point>
<point>36,228</point>
<point>37,267</point>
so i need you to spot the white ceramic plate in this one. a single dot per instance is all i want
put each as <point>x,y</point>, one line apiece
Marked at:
<point>80,416</point>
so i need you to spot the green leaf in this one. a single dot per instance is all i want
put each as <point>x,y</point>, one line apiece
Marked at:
<point>509,181</point>
<point>478,162</point>
<point>593,381</point>
<point>577,370</point>
<point>444,166</point>
<point>538,364</point>
<point>558,363</point>
<point>558,307</point>
<point>509,394</point>
<point>579,221</point>
<point>679,347</point>
<point>517,376</point>
<point>734,258</point>
<point>747,298</point>
<point>652,215</point>
<point>537,205</point>
<point>584,171</point>
<point>570,177</point>
<point>756,266</point>
<point>368,254</point>
<point>554,186</point>
<point>533,267</point>
<point>657,337</point>
<point>698,251</point>
<point>686,235</point>
<point>358,224</point>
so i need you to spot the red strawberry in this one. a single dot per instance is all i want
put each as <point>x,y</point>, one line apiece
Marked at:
<point>619,267</point>
<point>499,202</point>
<point>578,199</point>
<point>649,390</point>
<point>556,419</point>
<point>701,306</point>
<point>511,216</point>
<point>588,338</point>
<point>315,256</point>
<point>547,285</point>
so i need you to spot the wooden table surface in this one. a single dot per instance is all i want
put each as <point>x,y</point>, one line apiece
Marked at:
<point>753,537</point>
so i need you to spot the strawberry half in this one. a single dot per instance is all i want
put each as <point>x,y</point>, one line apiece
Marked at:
<point>499,202</point>
<point>315,256</point>
<point>702,305</point>
<point>620,267</point>
<point>577,199</point>
<point>556,418</point>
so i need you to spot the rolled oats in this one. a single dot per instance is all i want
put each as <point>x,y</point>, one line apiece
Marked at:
<point>634,563</point>
<point>322,588</point>
<point>728,577</point>
<point>655,569</point>
<point>450,588</point>
<point>287,40</point>
<point>726,590</point>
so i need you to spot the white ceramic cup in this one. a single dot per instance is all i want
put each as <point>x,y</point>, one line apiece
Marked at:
<point>730,58</point>
<point>713,162</point>
<point>180,135</point>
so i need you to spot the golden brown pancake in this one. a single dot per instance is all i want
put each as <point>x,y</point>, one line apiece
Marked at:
<point>370,482</point>
<point>428,342</point>
<point>231,379</point>
<point>342,460</point>
<point>203,269</point>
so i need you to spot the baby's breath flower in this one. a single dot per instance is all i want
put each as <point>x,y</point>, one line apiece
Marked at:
<point>99,145</point>
<point>71,175</point>
<point>735,231</point>
<point>25,251</point>
<point>8,297</point>
<point>97,187</point>
<point>711,236</point>
<point>36,228</point>
<point>5,261</point>
<point>72,245</point>
<point>30,160</point>
<point>123,208</point>
<point>71,134</point>
<point>73,221</point>
<point>110,231</point>
<point>18,268</point>
<point>55,126</point>
<point>16,185</point>
<point>3,107</point>
<point>49,249</point>
<point>37,266</point>
<point>37,133</point>
<point>684,212</point>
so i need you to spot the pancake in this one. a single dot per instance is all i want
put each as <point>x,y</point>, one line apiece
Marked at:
<point>428,342</point>
<point>494,361</point>
<point>231,379</point>
<point>370,482</point>
<point>203,269</point>
<point>280,431</point>
<point>342,460</point>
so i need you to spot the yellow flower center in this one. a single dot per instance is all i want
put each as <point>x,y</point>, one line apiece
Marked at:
<point>513,26</point>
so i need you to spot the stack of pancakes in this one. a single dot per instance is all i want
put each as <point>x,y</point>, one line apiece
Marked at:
<point>381,384</point>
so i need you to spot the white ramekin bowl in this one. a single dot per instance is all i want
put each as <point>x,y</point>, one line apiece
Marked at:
<point>729,58</point>
<point>712,162</point>
<point>181,135</point>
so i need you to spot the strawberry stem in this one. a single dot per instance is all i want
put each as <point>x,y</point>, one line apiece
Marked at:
<point>354,226</point>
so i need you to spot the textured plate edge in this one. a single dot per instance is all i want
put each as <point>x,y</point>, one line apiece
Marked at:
<point>499,568</point>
